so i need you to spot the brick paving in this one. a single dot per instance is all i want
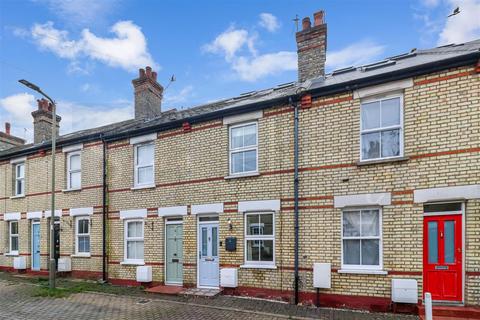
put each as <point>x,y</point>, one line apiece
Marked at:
<point>17,302</point>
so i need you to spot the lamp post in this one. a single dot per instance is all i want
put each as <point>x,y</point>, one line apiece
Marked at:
<point>52,266</point>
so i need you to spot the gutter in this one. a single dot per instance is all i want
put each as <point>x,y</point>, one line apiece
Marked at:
<point>457,61</point>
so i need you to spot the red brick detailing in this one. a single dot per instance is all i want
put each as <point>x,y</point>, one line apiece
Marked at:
<point>82,274</point>
<point>473,273</point>
<point>329,166</point>
<point>438,79</point>
<point>190,182</point>
<point>268,173</point>
<point>401,202</point>
<point>404,273</point>
<point>186,127</point>
<point>310,198</point>
<point>329,206</point>
<point>331,101</point>
<point>119,145</point>
<point>401,192</point>
<point>444,153</point>
<point>119,190</point>
<point>93,144</point>
<point>230,210</point>
<point>230,203</point>
<point>227,265</point>
<point>154,263</point>
<point>321,44</point>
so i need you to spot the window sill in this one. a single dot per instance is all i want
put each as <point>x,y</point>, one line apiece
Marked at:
<point>12,254</point>
<point>18,196</point>
<point>378,161</point>
<point>132,263</point>
<point>357,271</point>
<point>81,255</point>
<point>71,190</point>
<point>258,266</point>
<point>242,175</point>
<point>148,186</point>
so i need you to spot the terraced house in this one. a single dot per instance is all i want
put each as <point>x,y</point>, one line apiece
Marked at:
<point>363,183</point>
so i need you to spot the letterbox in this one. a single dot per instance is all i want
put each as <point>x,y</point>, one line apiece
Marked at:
<point>231,244</point>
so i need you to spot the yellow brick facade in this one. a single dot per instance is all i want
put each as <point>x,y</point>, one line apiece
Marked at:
<point>441,148</point>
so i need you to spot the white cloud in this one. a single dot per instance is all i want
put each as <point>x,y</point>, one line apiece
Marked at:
<point>252,69</point>
<point>430,3</point>
<point>464,26</point>
<point>127,50</point>
<point>355,54</point>
<point>229,42</point>
<point>237,46</point>
<point>179,97</point>
<point>17,109</point>
<point>81,12</point>
<point>269,22</point>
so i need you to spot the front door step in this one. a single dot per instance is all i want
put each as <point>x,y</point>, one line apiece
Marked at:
<point>201,292</point>
<point>162,289</point>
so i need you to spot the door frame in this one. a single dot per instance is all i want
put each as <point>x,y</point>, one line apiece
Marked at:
<point>170,221</point>
<point>447,213</point>
<point>199,224</point>
<point>35,222</point>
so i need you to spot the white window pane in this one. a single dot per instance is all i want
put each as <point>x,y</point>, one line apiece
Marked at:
<point>14,244</point>
<point>371,145</point>
<point>237,137</point>
<point>370,223</point>
<point>135,250</point>
<point>253,250</point>
<point>253,225</point>
<point>20,172</point>
<point>371,115</point>
<point>145,154</point>
<point>237,162</point>
<point>391,143</point>
<point>83,226</point>
<point>351,224</point>
<point>20,187</point>
<point>266,223</point>
<point>250,135</point>
<point>84,244</point>
<point>135,229</point>
<point>145,175</point>
<point>139,229</point>
<point>250,161</point>
<point>266,250</point>
<point>75,162</point>
<point>351,252</point>
<point>390,112</point>
<point>14,228</point>
<point>370,252</point>
<point>75,180</point>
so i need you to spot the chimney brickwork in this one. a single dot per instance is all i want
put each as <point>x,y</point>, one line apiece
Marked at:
<point>312,47</point>
<point>148,94</point>
<point>7,140</point>
<point>42,122</point>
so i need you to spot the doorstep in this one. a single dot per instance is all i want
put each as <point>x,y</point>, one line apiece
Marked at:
<point>201,292</point>
<point>163,289</point>
<point>451,312</point>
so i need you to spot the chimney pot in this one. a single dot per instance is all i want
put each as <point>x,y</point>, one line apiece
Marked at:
<point>7,128</point>
<point>306,24</point>
<point>148,70</point>
<point>154,76</point>
<point>318,18</point>
<point>141,73</point>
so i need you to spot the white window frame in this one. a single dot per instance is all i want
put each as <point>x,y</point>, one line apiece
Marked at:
<point>126,239</point>
<point>259,237</point>
<point>13,235</point>
<point>70,171</point>
<point>77,235</point>
<point>381,129</point>
<point>20,179</point>
<point>378,267</point>
<point>232,150</point>
<point>137,167</point>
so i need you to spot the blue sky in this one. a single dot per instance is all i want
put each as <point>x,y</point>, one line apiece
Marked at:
<point>85,53</point>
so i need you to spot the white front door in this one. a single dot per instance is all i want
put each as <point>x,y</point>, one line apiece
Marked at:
<point>208,270</point>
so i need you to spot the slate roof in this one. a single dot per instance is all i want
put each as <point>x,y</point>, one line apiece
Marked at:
<point>411,60</point>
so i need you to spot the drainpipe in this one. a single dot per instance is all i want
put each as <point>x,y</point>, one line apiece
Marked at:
<point>104,213</point>
<point>295,193</point>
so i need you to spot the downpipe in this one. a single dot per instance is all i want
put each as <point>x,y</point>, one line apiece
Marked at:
<point>295,197</point>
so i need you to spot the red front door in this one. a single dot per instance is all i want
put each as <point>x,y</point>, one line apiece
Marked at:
<point>442,257</point>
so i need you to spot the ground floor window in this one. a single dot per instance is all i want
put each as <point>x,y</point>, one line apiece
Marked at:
<point>134,241</point>
<point>259,238</point>
<point>361,239</point>
<point>13,237</point>
<point>82,233</point>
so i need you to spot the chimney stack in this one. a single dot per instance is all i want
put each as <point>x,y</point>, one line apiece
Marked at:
<point>8,141</point>
<point>312,47</point>
<point>148,94</point>
<point>42,122</point>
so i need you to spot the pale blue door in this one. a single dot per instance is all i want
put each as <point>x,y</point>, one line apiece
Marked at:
<point>174,254</point>
<point>208,271</point>
<point>35,246</point>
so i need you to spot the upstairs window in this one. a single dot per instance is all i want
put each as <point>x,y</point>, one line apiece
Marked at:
<point>13,237</point>
<point>381,128</point>
<point>20,179</point>
<point>361,239</point>
<point>144,165</point>
<point>244,148</point>
<point>83,236</point>
<point>74,170</point>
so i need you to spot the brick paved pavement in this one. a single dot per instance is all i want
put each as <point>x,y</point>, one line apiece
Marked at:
<point>17,302</point>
